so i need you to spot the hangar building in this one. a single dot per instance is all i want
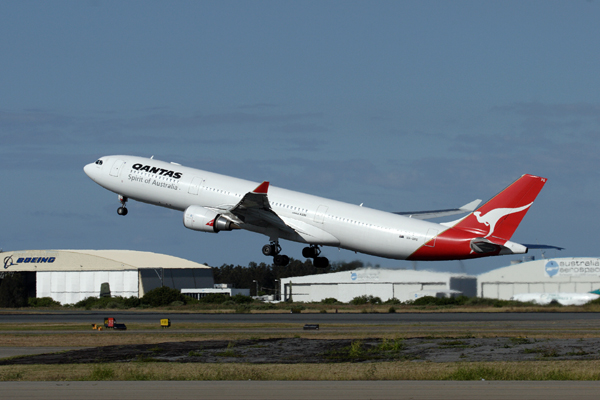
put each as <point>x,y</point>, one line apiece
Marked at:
<point>555,275</point>
<point>378,282</point>
<point>69,276</point>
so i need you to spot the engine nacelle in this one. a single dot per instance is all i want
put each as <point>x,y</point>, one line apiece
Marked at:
<point>202,219</point>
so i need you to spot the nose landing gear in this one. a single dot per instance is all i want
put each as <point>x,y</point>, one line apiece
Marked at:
<point>313,252</point>
<point>122,210</point>
<point>274,249</point>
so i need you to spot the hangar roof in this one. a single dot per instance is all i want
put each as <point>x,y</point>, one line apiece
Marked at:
<point>90,260</point>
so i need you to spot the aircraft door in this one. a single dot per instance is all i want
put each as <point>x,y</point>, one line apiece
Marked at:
<point>116,168</point>
<point>195,185</point>
<point>320,214</point>
<point>431,234</point>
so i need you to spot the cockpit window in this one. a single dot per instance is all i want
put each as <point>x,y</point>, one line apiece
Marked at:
<point>99,162</point>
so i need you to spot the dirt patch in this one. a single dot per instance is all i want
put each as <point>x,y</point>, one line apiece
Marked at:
<point>300,350</point>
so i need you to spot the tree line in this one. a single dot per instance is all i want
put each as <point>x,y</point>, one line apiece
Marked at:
<point>268,275</point>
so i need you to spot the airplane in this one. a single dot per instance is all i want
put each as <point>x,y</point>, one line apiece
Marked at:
<point>213,203</point>
<point>565,299</point>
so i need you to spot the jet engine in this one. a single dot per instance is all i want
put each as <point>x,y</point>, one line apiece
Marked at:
<point>202,219</point>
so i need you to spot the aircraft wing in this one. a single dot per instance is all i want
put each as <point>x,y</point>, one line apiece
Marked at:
<point>254,209</point>
<point>467,208</point>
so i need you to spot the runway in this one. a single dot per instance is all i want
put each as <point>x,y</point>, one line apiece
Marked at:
<point>301,390</point>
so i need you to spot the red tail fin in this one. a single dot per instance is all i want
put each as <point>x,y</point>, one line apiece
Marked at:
<point>501,215</point>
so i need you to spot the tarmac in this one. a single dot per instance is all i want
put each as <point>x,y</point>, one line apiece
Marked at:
<point>301,390</point>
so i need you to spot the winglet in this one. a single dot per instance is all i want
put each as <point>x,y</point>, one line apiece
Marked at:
<point>263,188</point>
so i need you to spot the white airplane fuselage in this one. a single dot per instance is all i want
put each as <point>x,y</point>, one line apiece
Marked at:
<point>310,219</point>
<point>335,223</point>
<point>566,299</point>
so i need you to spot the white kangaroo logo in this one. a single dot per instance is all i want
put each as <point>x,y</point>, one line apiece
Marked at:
<point>491,218</point>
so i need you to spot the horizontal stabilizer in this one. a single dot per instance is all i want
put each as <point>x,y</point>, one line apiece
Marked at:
<point>542,246</point>
<point>467,208</point>
<point>485,246</point>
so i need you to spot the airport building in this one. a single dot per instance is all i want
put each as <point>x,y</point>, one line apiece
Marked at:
<point>219,288</point>
<point>377,282</point>
<point>69,276</point>
<point>555,275</point>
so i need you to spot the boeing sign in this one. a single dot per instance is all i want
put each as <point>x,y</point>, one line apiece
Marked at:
<point>9,262</point>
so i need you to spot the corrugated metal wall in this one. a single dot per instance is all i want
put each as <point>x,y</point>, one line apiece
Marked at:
<point>68,287</point>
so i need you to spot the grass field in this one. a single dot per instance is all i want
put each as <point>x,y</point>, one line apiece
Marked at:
<point>538,371</point>
<point>82,335</point>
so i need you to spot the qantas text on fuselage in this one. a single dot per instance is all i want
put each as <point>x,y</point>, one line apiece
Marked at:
<point>212,203</point>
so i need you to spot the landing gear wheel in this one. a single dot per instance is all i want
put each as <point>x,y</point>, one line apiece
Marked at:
<point>122,210</point>
<point>321,262</point>
<point>271,249</point>
<point>268,250</point>
<point>274,249</point>
<point>311,252</point>
<point>281,260</point>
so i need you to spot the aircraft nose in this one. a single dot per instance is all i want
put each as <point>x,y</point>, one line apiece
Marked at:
<point>89,170</point>
<point>86,169</point>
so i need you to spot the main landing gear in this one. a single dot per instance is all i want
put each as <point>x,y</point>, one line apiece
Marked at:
<point>122,210</point>
<point>274,249</point>
<point>313,252</point>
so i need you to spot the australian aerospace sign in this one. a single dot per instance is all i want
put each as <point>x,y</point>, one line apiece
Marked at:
<point>572,267</point>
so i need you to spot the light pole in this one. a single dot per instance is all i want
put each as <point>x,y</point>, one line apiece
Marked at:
<point>256,287</point>
<point>277,287</point>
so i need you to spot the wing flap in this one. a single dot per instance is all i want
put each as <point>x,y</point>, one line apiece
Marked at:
<point>311,234</point>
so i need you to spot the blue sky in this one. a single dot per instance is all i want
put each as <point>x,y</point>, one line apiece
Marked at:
<point>395,104</point>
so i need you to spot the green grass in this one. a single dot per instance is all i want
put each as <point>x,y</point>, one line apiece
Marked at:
<point>359,351</point>
<point>519,340</point>
<point>102,373</point>
<point>543,351</point>
<point>399,370</point>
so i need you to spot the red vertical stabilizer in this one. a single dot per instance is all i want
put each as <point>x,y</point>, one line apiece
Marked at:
<point>500,216</point>
<point>486,231</point>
